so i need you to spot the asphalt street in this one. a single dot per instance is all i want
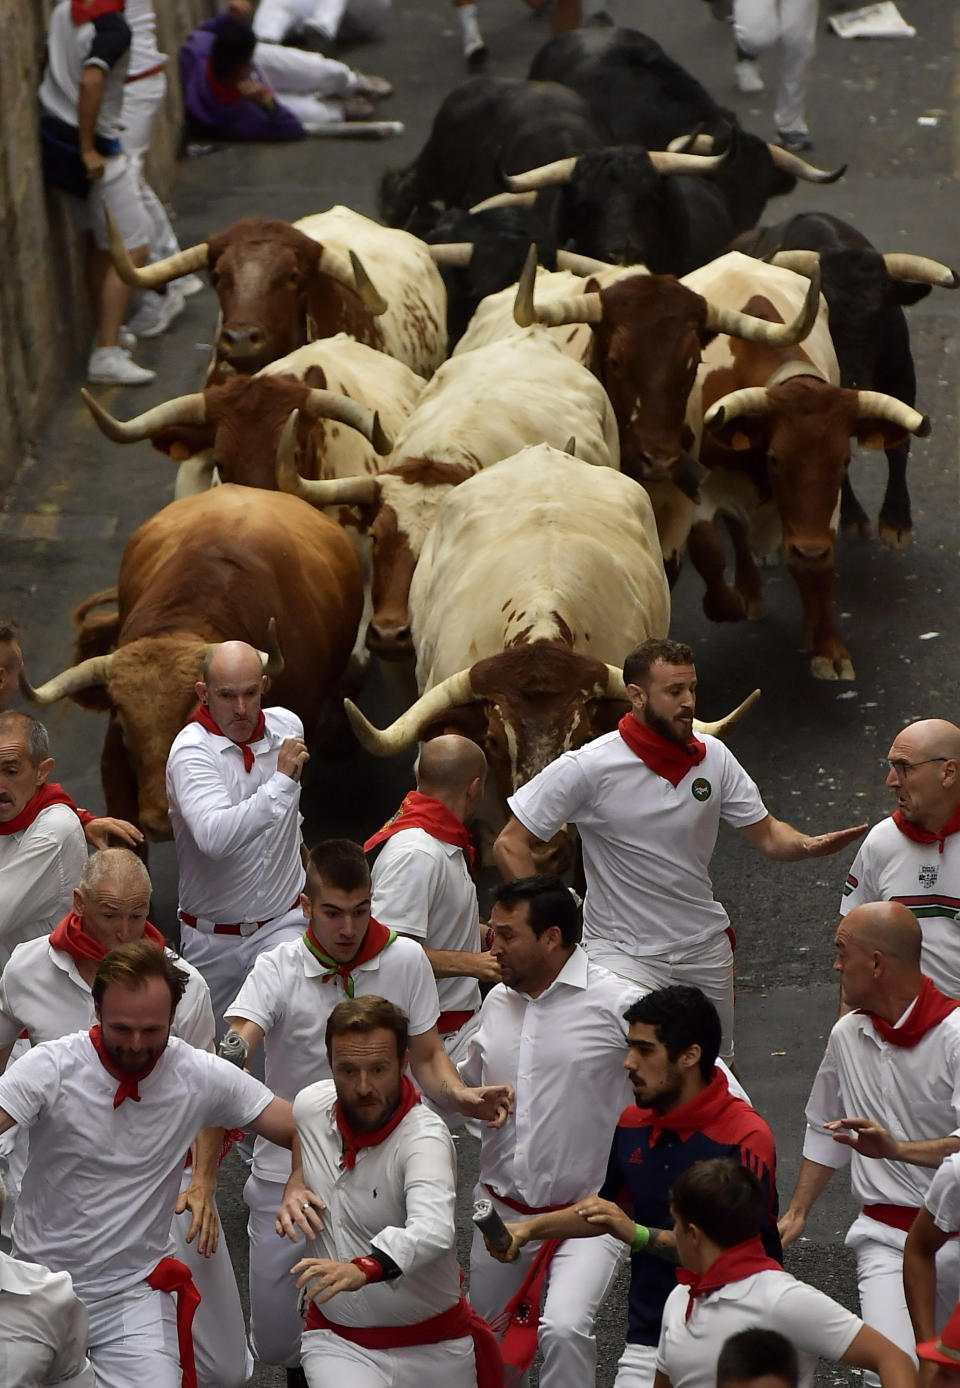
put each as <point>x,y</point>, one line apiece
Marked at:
<point>888,109</point>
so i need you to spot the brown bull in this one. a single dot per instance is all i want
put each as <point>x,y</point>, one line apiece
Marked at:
<point>212,567</point>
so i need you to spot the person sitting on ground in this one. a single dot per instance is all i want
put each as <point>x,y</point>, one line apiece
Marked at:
<point>237,89</point>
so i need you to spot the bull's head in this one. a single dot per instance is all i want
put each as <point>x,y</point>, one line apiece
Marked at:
<point>757,171</point>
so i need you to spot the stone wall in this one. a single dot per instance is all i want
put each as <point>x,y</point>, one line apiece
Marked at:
<point>44,321</point>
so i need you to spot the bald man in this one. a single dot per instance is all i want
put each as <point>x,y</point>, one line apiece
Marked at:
<point>422,885</point>
<point>886,1102</point>
<point>11,662</point>
<point>233,785</point>
<point>914,855</point>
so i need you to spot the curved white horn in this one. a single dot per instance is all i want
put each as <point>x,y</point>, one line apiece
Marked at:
<point>752,400</point>
<point>348,270</point>
<point>583,265</point>
<point>334,491</point>
<point>369,294</point>
<point>800,262</point>
<point>737,324</point>
<point>691,144</point>
<point>793,164</point>
<point>272,659</point>
<point>723,725</point>
<point>505,200</point>
<point>874,403</point>
<point>546,176</point>
<point>330,404</point>
<point>185,409</point>
<point>96,670</point>
<point>901,266</point>
<point>579,308</point>
<point>456,254</point>
<point>161,272</point>
<point>386,742</point>
<point>666,161</point>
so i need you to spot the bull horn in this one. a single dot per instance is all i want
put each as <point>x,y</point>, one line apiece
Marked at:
<point>272,659</point>
<point>583,265</point>
<point>348,270</point>
<point>901,266</point>
<point>570,446</point>
<point>330,404</point>
<point>579,308</point>
<point>334,491</point>
<point>90,672</point>
<point>737,324</point>
<point>752,400</point>
<point>185,409</point>
<point>793,164</point>
<point>723,725</point>
<point>369,294</point>
<point>545,176</point>
<point>386,742</point>
<point>456,254</point>
<point>670,162</point>
<point>694,143</point>
<point>800,262</point>
<point>504,200</point>
<point>161,272</point>
<point>880,406</point>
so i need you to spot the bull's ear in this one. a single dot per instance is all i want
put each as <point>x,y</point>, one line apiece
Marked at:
<point>182,441</point>
<point>879,433</point>
<point>315,377</point>
<point>743,432</point>
<point>907,292</point>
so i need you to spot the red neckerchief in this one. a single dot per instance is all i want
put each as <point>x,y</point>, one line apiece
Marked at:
<point>671,760</point>
<point>918,835</point>
<point>71,938</point>
<point>733,1265</point>
<point>419,811</point>
<point>83,11</point>
<point>223,91</point>
<point>352,1142</point>
<point>170,1275</point>
<point>376,939</point>
<point>929,1009</point>
<point>691,1117</point>
<point>129,1084</point>
<point>202,716</point>
<point>43,797</point>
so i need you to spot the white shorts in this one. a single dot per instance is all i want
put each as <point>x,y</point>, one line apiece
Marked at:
<point>120,191</point>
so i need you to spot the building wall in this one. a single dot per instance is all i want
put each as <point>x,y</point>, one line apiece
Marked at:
<point>44,320</point>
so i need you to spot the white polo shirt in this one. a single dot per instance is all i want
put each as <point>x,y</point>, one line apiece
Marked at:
<point>563,1053</point>
<point>647,845</point>
<point>42,992</point>
<point>422,887</point>
<point>71,48</point>
<point>237,832</point>
<point>101,1182</point>
<point>400,1195</point>
<point>943,1197</point>
<point>813,1323</point>
<point>285,995</point>
<point>891,867</point>
<point>913,1091</point>
<point>39,868</point>
<point>43,1328</point>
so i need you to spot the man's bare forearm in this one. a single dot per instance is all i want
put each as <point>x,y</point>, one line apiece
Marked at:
<point>92,82</point>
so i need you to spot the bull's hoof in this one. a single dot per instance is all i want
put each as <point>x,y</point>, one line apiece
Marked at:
<point>476,55</point>
<point>756,610</point>
<point>825,667</point>
<point>857,529</point>
<point>895,536</point>
<point>724,605</point>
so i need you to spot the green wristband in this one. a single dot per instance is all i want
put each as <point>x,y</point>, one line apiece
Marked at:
<point>641,1237</point>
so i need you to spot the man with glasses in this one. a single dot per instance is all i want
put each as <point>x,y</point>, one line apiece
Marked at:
<point>914,855</point>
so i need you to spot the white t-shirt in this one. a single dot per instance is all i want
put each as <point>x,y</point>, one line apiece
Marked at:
<point>400,1195</point>
<point>813,1323</point>
<point>73,47</point>
<point>914,1091</point>
<point>647,845</point>
<point>943,1197</point>
<point>422,887</point>
<point>285,995</point>
<point>101,1182</point>
<point>891,867</point>
<point>43,1328</point>
<point>237,832</point>
<point>39,868</point>
<point>563,1053</point>
<point>42,992</point>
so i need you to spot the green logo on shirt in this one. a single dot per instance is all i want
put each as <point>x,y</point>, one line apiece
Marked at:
<point>701,789</point>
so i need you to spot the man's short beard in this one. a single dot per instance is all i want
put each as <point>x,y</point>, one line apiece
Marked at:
<point>664,727</point>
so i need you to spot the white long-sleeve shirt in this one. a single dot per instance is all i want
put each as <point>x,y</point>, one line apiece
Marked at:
<point>237,832</point>
<point>39,868</point>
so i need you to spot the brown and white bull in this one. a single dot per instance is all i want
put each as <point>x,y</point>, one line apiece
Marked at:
<point>776,427</point>
<point>537,578</point>
<point>283,284</point>
<point>479,408</point>
<point>209,568</point>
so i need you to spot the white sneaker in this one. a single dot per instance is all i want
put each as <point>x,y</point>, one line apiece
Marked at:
<point>110,366</point>
<point>157,312</point>
<point>190,285</point>
<point>747,76</point>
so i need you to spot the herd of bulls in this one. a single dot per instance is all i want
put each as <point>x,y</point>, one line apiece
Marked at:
<point>667,366</point>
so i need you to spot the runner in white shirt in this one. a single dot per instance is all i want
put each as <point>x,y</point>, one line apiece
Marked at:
<point>554,1029</point>
<point>233,786</point>
<point>914,856</point>
<point>730,1285</point>
<point>937,1222</point>
<point>46,990</point>
<point>886,1101</point>
<point>421,878</point>
<point>285,1003</point>
<point>121,1161</point>
<point>366,1130</point>
<point>647,801</point>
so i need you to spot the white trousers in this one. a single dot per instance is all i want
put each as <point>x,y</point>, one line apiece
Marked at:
<point>883,1303</point>
<point>142,101</point>
<point>219,1334</point>
<point>275,20</point>
<point>307,83</point>
<point>637,1367</point>
<point>275,1322</point>
<point>132,1339</point>
<point>758,25</point>
<point>332,1362</point>
<point>578,1280</point>
<point>708,966</point>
